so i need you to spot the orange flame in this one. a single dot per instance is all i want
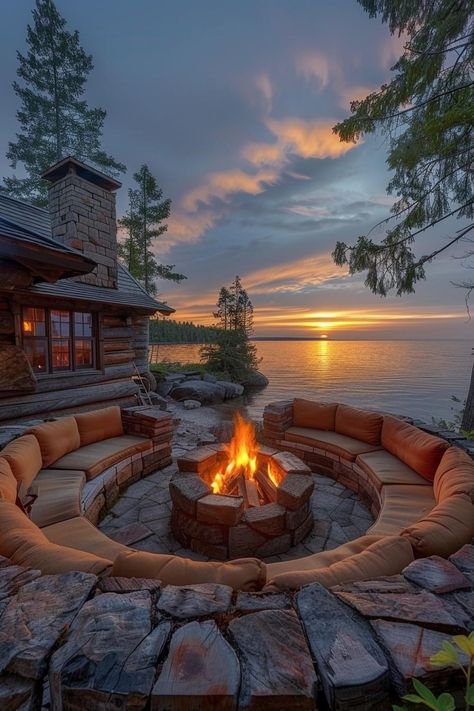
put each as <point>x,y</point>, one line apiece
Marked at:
<point>272,473</point>
<point>242,453</point>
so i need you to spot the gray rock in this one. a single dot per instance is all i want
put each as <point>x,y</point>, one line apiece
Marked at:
<point>255,380</point>
<point>206,393</point>
<point>191,404</point>
<point>164,388</point>
<point>209,378</point>
<point>231,389</point>
<point>195,600</point>
<point>158,401</point>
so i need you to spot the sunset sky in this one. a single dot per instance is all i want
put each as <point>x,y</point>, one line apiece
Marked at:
<point>232,105</point>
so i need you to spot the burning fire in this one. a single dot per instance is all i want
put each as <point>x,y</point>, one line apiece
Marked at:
<point>242,453</point>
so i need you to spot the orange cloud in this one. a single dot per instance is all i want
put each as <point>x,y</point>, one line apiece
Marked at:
<point>292,277</point>
<point>223,183</point>
<point>185,227</point>
<point>354,93</point>
<point>314,66</point>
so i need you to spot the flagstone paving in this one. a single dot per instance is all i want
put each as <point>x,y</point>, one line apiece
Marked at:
<point>141,517</point>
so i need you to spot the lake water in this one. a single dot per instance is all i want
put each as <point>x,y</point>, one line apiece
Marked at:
<point>416,378</point>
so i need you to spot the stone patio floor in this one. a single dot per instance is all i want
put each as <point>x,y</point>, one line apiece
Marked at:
<point>141,517</point>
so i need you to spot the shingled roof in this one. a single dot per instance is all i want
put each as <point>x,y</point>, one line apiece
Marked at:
<point>23,225</point>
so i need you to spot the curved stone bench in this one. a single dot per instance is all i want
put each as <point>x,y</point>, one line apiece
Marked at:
<point>76,467</point>
<point>419,489</point>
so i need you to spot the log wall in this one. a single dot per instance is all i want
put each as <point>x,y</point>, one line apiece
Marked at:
<point>122,343</point>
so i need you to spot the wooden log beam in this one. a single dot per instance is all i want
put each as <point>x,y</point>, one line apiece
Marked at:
<point>248,491</point>
<point>267,487</point>
<point>84,377</point>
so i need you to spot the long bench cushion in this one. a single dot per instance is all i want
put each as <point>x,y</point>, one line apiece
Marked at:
<point>402,505</point>
<point>359,424</point>
<point>23,543</point>
<point>383,468</point>
<point>244,574</point>
<point>24,457</point>
<point>387,556</point>
<point>422,452</point>
<point>323,559</point>
<point>59,496</point>
<point>445,529</point>
<point>99,424</point>
<point>8,483</point>
<point>454,475</point>
<point>318,415</point>
<point>81,534</point>
<point>56,438</point>
<point>345,447</point>
<point>93,459</point>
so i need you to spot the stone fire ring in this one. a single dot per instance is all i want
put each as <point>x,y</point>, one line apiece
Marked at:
<point>218,526</point>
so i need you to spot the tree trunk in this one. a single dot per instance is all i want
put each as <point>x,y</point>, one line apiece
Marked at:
<point>468,417</point>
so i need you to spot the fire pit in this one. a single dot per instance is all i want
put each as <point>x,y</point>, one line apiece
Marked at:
<point>241,499</point>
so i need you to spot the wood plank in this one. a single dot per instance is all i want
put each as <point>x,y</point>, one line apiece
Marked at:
<point>117,332</point>
<point>111,346</point>
<point>353,669</point>
<point>277,670</point>
<point>119,357</point>
<point>267,486</point>
<point>81,378</point>
<point>201,671</point>
<point>248,491</point>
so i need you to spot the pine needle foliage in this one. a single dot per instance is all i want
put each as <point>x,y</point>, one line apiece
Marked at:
<point>54,118</point>
<point>427,114</point>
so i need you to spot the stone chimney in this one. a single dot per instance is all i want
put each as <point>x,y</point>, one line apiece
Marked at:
<point>82,208</point>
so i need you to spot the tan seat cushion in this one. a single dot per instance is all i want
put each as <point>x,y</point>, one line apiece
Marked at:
<point>56,438</point>
<point>59,496</point>
<point>17,533</point>
<point>339,444</point>
<point>402,505</point>
<point>99,424</point>
<point>93,459</point>
<point>244,574</point>
<point>359,424</point>
<point>80,533</point>
<point>422,452</point>
<point>318,415</point>
<point>454,475</point>
<point>388,556</point>
<point>8,483</point>
<point>323,559</point>
<point>445,529</point>
<point>387,469</point>
<point>24,457</point>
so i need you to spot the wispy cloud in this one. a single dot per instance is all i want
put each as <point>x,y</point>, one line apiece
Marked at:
<point>224,183</point>
<point>314,67</point>
<point>265,88</point>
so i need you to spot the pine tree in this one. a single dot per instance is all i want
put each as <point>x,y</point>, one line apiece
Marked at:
<point>54,119</point>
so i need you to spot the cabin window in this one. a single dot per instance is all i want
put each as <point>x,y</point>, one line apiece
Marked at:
<point>58,340</point>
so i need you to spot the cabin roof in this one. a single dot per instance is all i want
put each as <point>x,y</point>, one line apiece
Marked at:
<point>27,227</point>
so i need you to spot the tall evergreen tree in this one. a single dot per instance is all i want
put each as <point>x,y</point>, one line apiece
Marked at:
<point>54,119</point>
<point>144,222</point>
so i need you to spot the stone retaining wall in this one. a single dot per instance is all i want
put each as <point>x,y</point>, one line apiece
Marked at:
<point>74,641</point>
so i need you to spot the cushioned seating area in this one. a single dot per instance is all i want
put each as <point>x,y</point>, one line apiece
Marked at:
<point>402,505</point>
<point>345,447</point>
<point>50,463</point>
<point>59,496</point>
<point>80,533</point>
<point>94,458</point>
<point>419,487</point>
<point>384,468</point>
<point>387,556</point>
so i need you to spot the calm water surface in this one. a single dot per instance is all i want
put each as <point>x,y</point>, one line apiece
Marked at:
<point>409,377</point>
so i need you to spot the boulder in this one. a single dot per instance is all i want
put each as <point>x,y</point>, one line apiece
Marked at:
<point>164,387</point>
<point>231,389</point>
<point>255,379</point>
<point>209,378</point>
<point>205,393</point>
<point>191,404</point>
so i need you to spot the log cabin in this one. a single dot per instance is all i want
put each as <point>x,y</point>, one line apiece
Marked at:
<point>73,320</point>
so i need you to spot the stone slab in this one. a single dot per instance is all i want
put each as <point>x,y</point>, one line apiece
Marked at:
<point>116,584</point>
<point>14,577</point>
<point>186,490</point>
<point>436,575</point>
<point>128,535</point>
<point>195,600</point>
<point>277,670</point>
<point>110,655</point>
<point>252,602</point>
<point>268,519</point>
<point>463,559</point>
<point>201,671</point>
<point>223,510</point>
<point>351,665</point>
<point>36,617</point>
<point>294,490</point>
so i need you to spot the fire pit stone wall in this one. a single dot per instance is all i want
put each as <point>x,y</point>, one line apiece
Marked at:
<point>219,525</point>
